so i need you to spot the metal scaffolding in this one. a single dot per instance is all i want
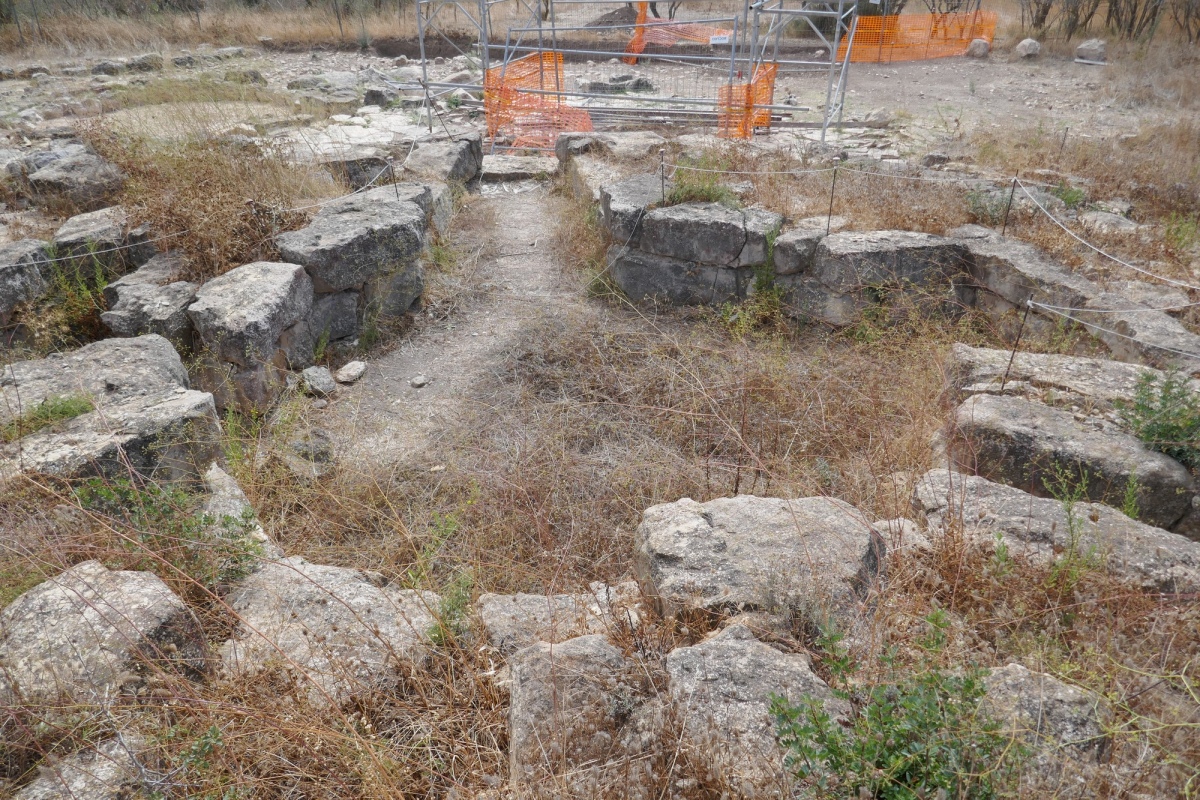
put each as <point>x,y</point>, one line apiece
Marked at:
<point>700,58</point>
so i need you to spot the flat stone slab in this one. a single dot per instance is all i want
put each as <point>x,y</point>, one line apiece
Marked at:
<point>1022,443</point>
<point>107,372</point>
<point>645,277</point>
<point>340,631</point>
<point>1038,528</point>
<point>521,620</point>
<point>81,633</point>
<point>815,555</point>
<point>351,241</point>
<point>722,690</point>
<point>240,315</point>
<point>978,370</point>
<point>166,435</point>
<point>503,168</point>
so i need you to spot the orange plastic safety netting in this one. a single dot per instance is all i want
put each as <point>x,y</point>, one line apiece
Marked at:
<point>741,107</point>
<point>515,108</point>
<point>669,34</point>
<point>916,37</point>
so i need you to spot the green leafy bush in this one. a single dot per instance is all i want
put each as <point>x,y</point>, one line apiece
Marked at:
<point>986,208</point>
<point>920,735</point>
<point>1165,415</point>
<point>1071,196</point>
<point>158,524</point>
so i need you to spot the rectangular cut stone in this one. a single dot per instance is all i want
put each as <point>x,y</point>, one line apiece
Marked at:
<point>796,250</point>
<point>1024,444</point>
<point>1038,527</point>
<point>705,233</point>
<point>25,271</point>
<point>853,262</point>
<point>353,240</point>
<point>240,315</point>
<point>624,204</point>
<point>643,276</point>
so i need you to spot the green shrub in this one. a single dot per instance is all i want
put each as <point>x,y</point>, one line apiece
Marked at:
<point>986,208</point>
<point>1071,196</point>
<point>1165,415</point>
<point>159,525</point>
<point>919,735</point>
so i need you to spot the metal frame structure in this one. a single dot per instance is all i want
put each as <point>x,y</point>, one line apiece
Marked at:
<point>756,40</point>
<point>769,19</point>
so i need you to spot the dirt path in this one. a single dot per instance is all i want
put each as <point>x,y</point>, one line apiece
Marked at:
<point>385,418</point>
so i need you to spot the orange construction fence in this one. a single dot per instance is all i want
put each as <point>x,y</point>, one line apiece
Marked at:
<point>740,106</point>
<point>916,37</point>
<point>669,34</point>
<point>528,118</point>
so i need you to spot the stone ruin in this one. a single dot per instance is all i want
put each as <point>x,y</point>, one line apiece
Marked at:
<point>737,570</point>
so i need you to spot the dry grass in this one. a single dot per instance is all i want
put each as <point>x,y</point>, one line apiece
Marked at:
<point>71,35</point>
<point>230,200</point>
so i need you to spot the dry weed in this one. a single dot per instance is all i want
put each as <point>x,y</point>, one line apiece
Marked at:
<point>221,202</point>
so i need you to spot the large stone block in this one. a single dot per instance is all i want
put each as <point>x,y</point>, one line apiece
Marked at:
<point>165,435</point>
<point>722,690</point>
<point>1141,336</point>
<point>356,239</point>
<point>82,634</point>
<point>459,161</point>
<point>106,372</point>
<point>852,262</point>
<point>513,622</point>
<point>709,233</point>
<point>814,558</point>
<point>152,299</point>
<point>569,702</point>
<point>796,250</point>
<point>103,237</point>
<point>622,145</point>
<point>24,275</point>
<point>341,632</point>
<point>623,205</point>
<point>240,315</point>
<point>644,277</point>
<point>1010,272</point>
<point>1048,714</point>
<point>83,179</point>
<point>1039,528</point>
<point>335,316</point>
<point>1027,444</point>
